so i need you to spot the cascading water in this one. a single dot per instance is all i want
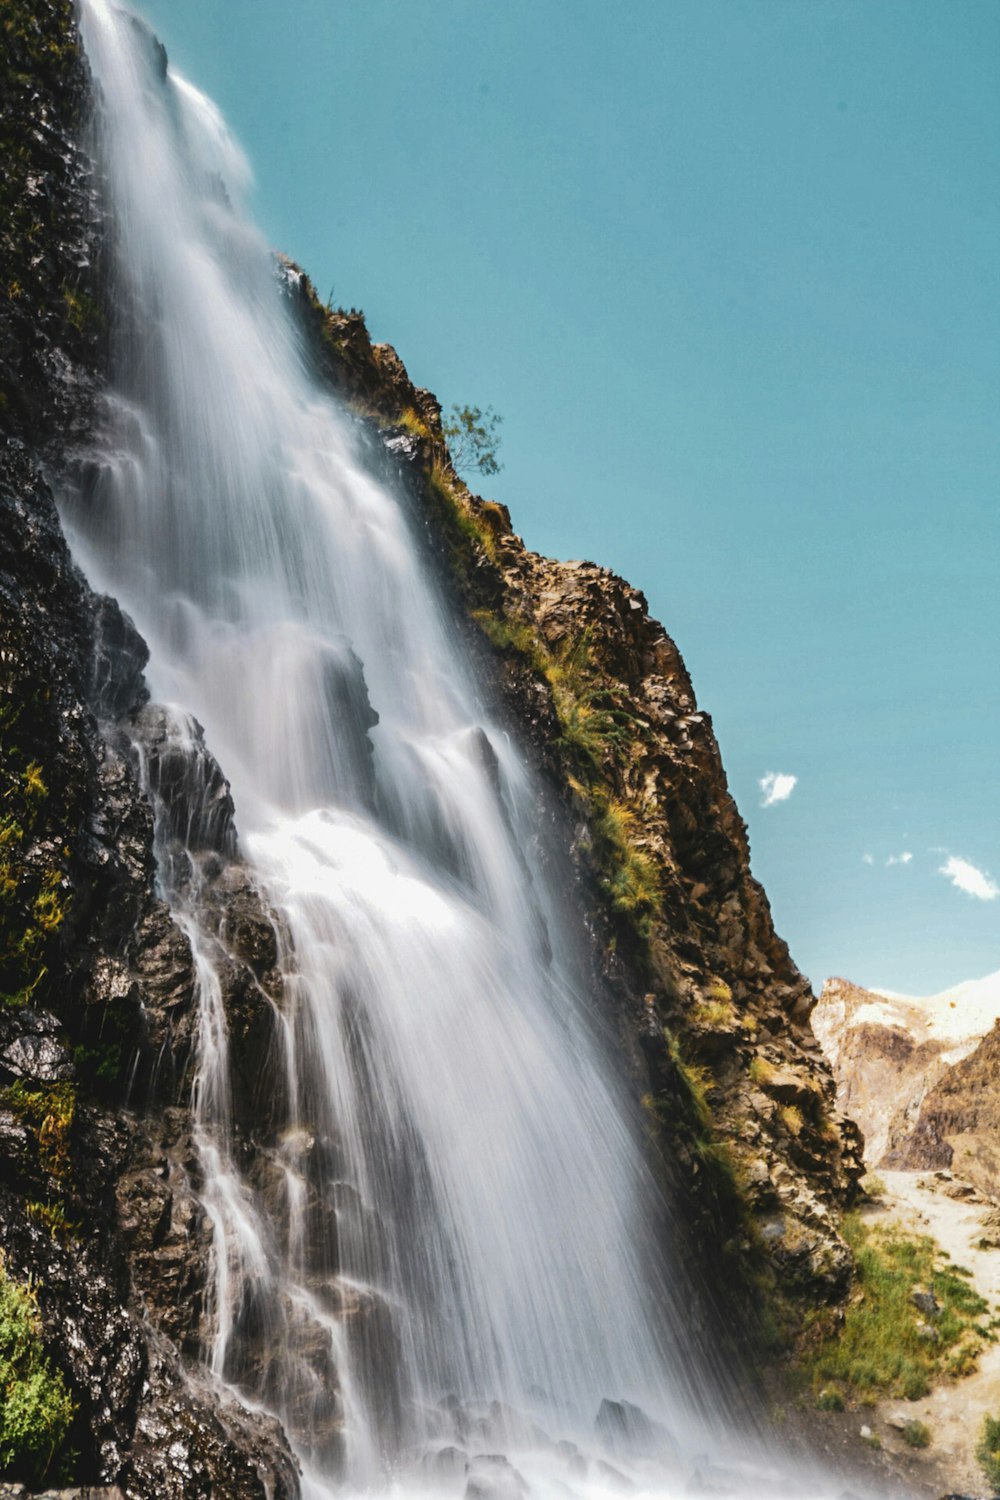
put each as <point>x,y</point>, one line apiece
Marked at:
<point>462,1213</point>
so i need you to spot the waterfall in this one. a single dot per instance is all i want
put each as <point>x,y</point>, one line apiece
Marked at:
<point>456,1242</point>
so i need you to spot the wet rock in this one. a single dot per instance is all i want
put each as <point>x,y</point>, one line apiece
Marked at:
<point>446,1463</point>
<point>493,1477</point>
<point>117,684</point>
<point>191,794</point>
<point>190,1446</point>
<point>456,1417</point>
<point>508,1427</point>
<point>626,1429</point>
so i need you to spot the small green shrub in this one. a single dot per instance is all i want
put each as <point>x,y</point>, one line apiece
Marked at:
<point>627,873</point>
<point>473,438</point>
<point>53,1218</point>
<point>872,1185</point>
<point>714,1015</point>
<point>830,1399</point>
<point>36,1408</point>
<point>761,1071</point>
<point>916,1435</point>
<point>459,523</point>
<point>988,1452</point>
<point>414,423</point>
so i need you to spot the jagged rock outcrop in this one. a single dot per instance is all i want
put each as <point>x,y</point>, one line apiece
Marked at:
<point>921,1076</point>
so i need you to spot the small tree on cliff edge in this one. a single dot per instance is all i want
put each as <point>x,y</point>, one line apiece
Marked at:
<point>473,439</point>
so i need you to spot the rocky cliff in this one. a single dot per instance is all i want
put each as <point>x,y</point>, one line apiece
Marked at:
<point>921,1076</point>
<point>101,1228</point>
<point>708,1003</point>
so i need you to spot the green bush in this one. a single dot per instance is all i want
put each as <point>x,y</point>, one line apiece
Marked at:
<point>917,1435</point>
<point>36,1408</point>
<point>473,438</point>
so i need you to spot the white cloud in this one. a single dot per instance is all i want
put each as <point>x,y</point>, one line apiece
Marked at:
<point>966,877</point>
<point>867,859</point>
<point>777,786</point>
<point>899,859</point>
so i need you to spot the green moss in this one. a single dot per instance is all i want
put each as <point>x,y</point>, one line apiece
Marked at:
<point>761,1071</point>
<point>37,806</point>
<point>464,531</point>
<point>81,310</point>
<point>714,1015</point>
<point>36,1408</point>
<point>53,1218</point>
<point>32,903</point>
<point>627,873</point>
<point>50,1111</point>
<point>883,1346</point>
<point>413,423</point>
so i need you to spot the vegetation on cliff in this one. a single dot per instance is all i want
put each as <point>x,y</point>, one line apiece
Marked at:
<point>36,1407</point>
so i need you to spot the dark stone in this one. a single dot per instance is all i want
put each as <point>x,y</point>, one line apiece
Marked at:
<point>626,1430</point>
<point>926,1303</point>
<point>117,685</point>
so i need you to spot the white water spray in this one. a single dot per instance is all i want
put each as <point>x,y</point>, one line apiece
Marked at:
<point>462,1210</point>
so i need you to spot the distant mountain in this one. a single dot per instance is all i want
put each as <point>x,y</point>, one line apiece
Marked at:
<point>921,1076</point>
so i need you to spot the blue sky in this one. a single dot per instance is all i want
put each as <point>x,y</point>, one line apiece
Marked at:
<point>729,270</point>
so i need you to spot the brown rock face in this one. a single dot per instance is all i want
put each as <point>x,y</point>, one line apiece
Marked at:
<point>958,1124</point>
<point>919,1076</point>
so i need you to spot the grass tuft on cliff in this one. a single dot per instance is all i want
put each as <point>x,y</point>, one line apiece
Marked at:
<point>886,1345</point>
<point>36,1408</point>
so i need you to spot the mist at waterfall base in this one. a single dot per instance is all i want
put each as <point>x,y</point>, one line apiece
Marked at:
<point>460,1247</point>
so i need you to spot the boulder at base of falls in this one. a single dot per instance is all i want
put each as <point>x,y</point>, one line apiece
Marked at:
<point>493,1477</point>
<point>627,1431</point>
<point>446,1463</point>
